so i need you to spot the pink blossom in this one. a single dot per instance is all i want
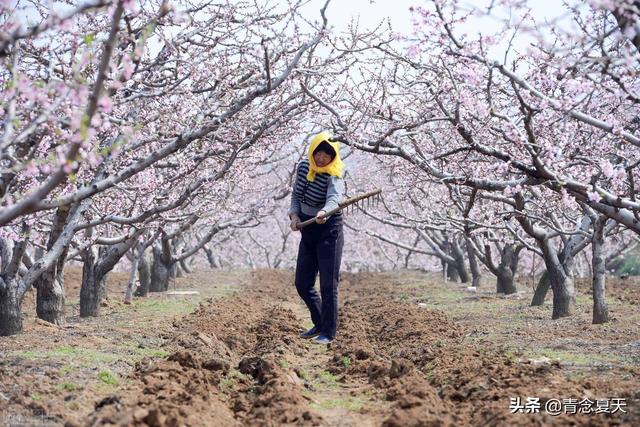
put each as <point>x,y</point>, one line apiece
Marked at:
<point>629,32</point>
<point>594,196</point>
<point>24,85</point>
<point>127,67</point>
<point>105,104</point>
<point>94,159</point>
<point>66,24</point>
<point>138,51</point>
<point>116,85</point>
<point>413,51</point>
<point>61,154</point>
<point>76,120</point>
<point>607,168</point>
<point>602,4</point>
<point>510,191</point>
<point>130,6</point>
<point>30,170</point>
<point>619,174</point>
<point>6,232</point>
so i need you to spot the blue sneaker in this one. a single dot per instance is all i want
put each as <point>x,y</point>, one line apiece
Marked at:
<point>313,332</point>
<point>322,339</point>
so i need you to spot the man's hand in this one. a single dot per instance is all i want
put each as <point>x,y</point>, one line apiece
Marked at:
<point>295,221</point>
<point>320,217</point>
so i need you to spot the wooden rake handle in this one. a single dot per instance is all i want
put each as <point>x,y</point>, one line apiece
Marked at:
<point>347,202</point>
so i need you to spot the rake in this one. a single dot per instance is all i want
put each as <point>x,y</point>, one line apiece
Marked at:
<point>368,198</point>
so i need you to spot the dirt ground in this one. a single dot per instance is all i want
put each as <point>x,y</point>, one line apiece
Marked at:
<point>411,351</point>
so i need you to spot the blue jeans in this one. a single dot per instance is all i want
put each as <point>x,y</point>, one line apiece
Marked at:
<point>320,251</point>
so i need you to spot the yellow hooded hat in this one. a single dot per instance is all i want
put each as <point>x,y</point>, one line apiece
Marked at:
<point>335,168</point>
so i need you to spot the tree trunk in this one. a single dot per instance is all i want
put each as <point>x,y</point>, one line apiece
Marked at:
<point>504,283</point>
<point>50,285</point>
<point>600,309</point>
<point>95,270</point>
<point>558,265</point>
<point>10,310</point>
<point>160,272</point>
<point>473,265</point>
<point>132,279</point>
<point>144,276</point>
<point>11,290</point>
<point>506,270</point>
<point>452,272</point>
<point>50,295</point>
<point>177,270</point>
<point>185,268</point>
<point>563,294</point>
<point>214,263</point>
<point>541,290</point>
<point>93,286</point>
<point>461,268</point>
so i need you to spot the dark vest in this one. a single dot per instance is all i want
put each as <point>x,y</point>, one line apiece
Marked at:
<point>311,193</point>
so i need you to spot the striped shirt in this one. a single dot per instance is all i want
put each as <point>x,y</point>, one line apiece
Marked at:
<point>307,197</point>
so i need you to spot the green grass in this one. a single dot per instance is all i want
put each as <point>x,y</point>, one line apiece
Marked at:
<point>345,361</point>
<point>351,403</point>
<point>237,374</point>
<point>225,385</point>
<point>584,300</point>
<point>166,307</point>
<point>283,364</point>
<point>72,406</point>
<point>67,386</point>
<point>106,377</point>
<point>403,297</point>
<point>150,352</point>
<point>512,354</point>
<point>572,358</point>
<point>328,379</point>
<point>66,370</point>
<point>304,375</point>
<point>75,354</point>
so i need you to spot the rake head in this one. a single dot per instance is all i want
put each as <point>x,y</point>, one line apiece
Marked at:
<point>369,199</point>
<point>361,202</point>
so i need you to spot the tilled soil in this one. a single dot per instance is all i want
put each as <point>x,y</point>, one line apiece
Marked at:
<point>435,377</point>
<point>239,362</point>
